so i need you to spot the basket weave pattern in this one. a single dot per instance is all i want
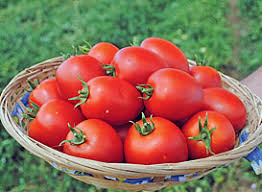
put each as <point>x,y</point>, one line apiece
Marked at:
<point>122,175</point>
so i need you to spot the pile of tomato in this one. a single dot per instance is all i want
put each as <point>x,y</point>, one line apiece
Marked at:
<point>139,104</point>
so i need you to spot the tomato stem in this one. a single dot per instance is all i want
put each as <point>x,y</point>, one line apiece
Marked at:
<point>147,128</point>
<point>146,89</point>
<point>83,94</point>
<point>110,69</point>
<point>85,48</point>
<point>32,112</point>
<point>204,135</point>
<point>79,137</point>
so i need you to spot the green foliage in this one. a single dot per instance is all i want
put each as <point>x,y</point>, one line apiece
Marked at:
<point>33,31</point>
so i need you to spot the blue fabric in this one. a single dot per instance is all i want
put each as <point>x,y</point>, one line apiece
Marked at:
<point>255,157</point>
<point>144,180</point>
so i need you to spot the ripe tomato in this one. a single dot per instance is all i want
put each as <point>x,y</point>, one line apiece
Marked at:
<point>69,72</point>
<point>103,52</point>
<point>206,76</point>
<point>170,53</point>
<point>44,92</point>
<point>50,124</point>
<point>213,124</point>
<point>94,139</point>
<point>111,99</point>
<point>176,95</point>
<point>135,64</point>
<point>155,140</point>
<point>228,104</point>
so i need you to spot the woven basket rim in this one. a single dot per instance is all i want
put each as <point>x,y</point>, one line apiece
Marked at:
<point>159,169</point>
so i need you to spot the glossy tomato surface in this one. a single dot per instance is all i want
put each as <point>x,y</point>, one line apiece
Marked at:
<point>50,125</point>
<point>136,64</point>
<point>103,52</point>
<point>206,76</point>
<point>69,72</point>
<point>222,138</point>
<point>176,94</point>
<point>113,100</point>
<point>166,144</point>
<point>225,102</point>
<point>102,142</point>
<point>44,92</point>
<point>169,52</point>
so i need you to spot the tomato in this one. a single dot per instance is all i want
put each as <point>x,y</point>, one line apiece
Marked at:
<point>175,94</point>
<point>95,140</point>
<point>135,64</point>
<point>206,76</point>
<point>221,131</point>
<point>170,53</point>
<point>103,52</point>
<point>50,124</point>
<point>111,99</point>
<point>122,130</point>
<point>225,102</point>
<point>44,92</point>
<point>69,72</point>
<point>159,141</point>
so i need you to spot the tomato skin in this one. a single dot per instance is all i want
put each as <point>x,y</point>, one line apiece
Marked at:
<point>69,71</point>
<point>50,125</point>
<point>166,144</point>
<point>206,76</point>
<point>225,102</point>
<point>172,55</point>
<point>104,52</point>
<point>113,100</point>
<point>44,92</point>
<point>102,142</point>
<point>222,138</point>
<point>136,64</point>
<point>176,94</point>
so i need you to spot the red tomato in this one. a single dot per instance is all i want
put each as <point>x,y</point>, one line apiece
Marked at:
<point>228,104</point>
<point>69,72</point>
<point>222,138</point>
<point>50,124</point>
<point>135,64</point>
<point>122,130</point>
<point>165,144</point>
<point>170,53</point>
<point>112,100</point>
<point>176,95</point>
<point>206,76</point>
<point>103,52</point>
<point>101,142</point>
<point>44,92</point>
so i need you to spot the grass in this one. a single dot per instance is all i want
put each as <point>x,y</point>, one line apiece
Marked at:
<point>33,31</point>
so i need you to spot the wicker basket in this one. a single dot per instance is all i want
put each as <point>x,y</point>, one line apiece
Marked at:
<point>122,175</point>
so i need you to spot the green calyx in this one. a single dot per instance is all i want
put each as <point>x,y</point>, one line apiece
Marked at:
<point>84,49</point>
<point>79,137</point>
<point>204,135</point>
<point>83,94</point>
<point>147,128</point>
<point>31,112</point>
<point>110,69</point>
<point>146,89</point>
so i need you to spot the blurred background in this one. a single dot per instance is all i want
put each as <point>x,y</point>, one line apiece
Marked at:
<point>226,34</point>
